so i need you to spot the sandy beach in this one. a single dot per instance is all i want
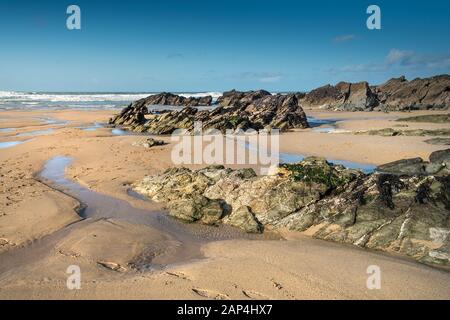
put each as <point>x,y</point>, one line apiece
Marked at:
<point>129,249</point>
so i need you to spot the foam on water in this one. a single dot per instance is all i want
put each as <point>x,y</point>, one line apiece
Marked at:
<point>79,100</point>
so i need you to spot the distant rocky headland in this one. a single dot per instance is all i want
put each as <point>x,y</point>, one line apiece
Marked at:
<point>261,109</point>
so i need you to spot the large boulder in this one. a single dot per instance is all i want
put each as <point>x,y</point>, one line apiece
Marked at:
<point>439,165</point>
<point>343,96</point>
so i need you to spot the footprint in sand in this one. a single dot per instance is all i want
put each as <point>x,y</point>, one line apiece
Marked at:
<point>254,295</point>
<point>210,294</point>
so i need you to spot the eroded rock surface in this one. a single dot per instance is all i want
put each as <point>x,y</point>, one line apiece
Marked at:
<point>258,112</point>
<point>399,212</point>
<point>426,93</point>
<point>344,96</point>
<point>395,94</point>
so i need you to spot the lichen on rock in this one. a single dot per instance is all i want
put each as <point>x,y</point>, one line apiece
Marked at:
<point>398,209</point>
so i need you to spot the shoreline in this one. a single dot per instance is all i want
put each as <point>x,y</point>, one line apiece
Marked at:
<point>109,164</point>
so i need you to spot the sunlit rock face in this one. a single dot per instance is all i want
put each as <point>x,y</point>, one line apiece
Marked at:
<point>400,208</point>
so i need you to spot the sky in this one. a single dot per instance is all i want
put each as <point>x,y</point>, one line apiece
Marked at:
<point>148,46</point>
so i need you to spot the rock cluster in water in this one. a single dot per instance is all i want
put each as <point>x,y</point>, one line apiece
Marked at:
<point>403,208</point>
<point>259,111</point>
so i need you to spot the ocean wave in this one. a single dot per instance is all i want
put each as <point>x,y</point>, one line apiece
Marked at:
<point>79,100</point>
<point>11,96</point>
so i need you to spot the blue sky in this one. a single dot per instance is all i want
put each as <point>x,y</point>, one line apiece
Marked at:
<point>218,45</point>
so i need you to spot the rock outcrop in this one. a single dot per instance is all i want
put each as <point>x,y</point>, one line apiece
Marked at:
<point>397,94</point>
<point>134,113</point>
<point>170,99</point>
<point>401,209</point>
<point>264,111</point>
<point>427,93</point>
<point>239,98</point>
<point>344,96</point>
<point>438,165</point>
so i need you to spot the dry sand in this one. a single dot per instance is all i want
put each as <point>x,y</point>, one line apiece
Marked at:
<point>41,234</point>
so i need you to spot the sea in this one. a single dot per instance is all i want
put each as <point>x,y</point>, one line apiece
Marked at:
<point>12,100</point>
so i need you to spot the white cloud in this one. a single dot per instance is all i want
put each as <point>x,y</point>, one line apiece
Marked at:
<point>400,59</point>
<point>270,79</point>
<point>265,77</point>
<point>344,38</point>
<point>399,56</point>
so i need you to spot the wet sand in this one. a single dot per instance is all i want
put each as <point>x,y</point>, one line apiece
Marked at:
<point>128,248</point>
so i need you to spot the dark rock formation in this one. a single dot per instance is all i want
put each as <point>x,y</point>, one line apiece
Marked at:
<point>170,99</point>
<point>148,143</point>
<point>343,96</point>
<point>427,93</point>
<point>395,94</point>
<point>439,141</point>
<point>430,118</point>
<point>134,114</point>
<point>390,132</point>
<point>267,111</point>
<point>390,211</point>
<point>439,165</point>
<point>240,99</point>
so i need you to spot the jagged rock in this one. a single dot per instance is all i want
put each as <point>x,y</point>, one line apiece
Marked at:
<point>166,98</point>
<point>242,218</point>
<point>441,156</point>
<point>414,166</point>
<point>267,111</point>
<point>343,96</point>
<point>134,114</point>
<point>235,98</point>
<point>426,93</point>
<point>439,165</point>
<point>148,143</point>
<point>395,94</point>
<point>405,210</point>
<point>196,207</point>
